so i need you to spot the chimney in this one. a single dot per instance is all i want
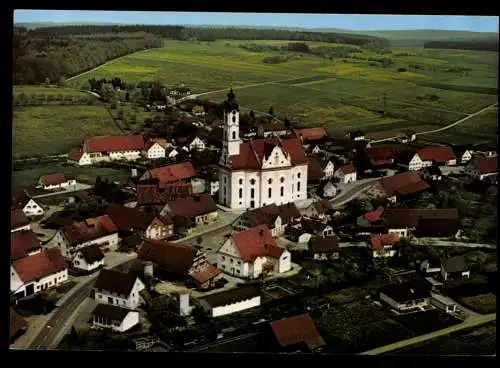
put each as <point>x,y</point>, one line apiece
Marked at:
<point>184,309</point>
<point>134,173</point>
<point>148,269</point>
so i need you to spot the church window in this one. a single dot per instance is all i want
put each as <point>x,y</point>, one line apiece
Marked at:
<point>240,181</point>
<point>298,175</point>
<point>252,193</point>
<point>225,134</point>
<point>241,193</point>
<point>270,181</point>
<point>234,134</point>
<point>282,179</point>
<point>282,191</point>
<point>252,181</point>
<point>269,192</point>
<point>234,118</point>
<point>298,186</point>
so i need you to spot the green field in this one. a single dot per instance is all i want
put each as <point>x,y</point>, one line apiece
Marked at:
<point>27,179</point>
<point>50,130</point>
<point>41,90</point>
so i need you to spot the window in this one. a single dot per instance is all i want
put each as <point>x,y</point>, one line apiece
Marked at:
<point>270,181</point>
<point>224,266</point>
<point>110,300</point>
<point>234,133</point>
<point>269,192</point>
<point>231,260</point>
<point>282,179</point>
<point>252,193</point>
<point>234,119</point>
<point>225,180</point>
<point>282,190</point>
<point>239,262</point>
<point>77,263</point>
<point>252,181</point>
<point>223,258</point>
<point>240,181</point>
<point>241,193</point>
<point>298,186</point>
<point>237,271</point>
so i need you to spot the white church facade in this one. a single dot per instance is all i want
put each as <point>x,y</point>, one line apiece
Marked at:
<point>261,171</point>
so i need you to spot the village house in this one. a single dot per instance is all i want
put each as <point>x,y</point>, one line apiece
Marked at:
<point>18,221</point>
<point>231,301</point>
<point>183,262</point>
<point>430,266</point>
<point>357,135</point>
<point>481,167</point>
<point>296,334</point>
<point>171,153</point>
<point>420,222</point>
<point>154,195</point>
<point>109,148</point>
<point>118,288</point>
<point>89,258</point>
<point>295,233</point>
<point>379,157</point>
<point>255,173</point>
<point>311,135</point>
<point>371,218</point>
<point>406,297</point>
<point>18,325</point>
<point>198,110</point>
<point>432,173</point>
<point>55,181</point>
<point>314,171</point>
<point>272,130</point>
<point>196,209</point>
<point>113,317</point>
<point>316,150</point>
<point>324,247</point>
<point>24,244</point>
<point>37,272</point>
<point>155,148</point>
<point>128,220</point>
<point>161,227</point>
<point>428,156</point>
<point>382,245</point>
<point>455,268</point>
<point>192,143</point>
<point>77,156</point>
<point>316,227</point>
<point>402,185</point>
<point>71,238</point>
<point>463,153</point>
<point>345,173</point>
<point>446,304</point>
<point>250,253</point>
<point>31,208</point>
<point>275,217</point>
<point>327,189</point>
<point>170,174</point>
<point>318,209</point>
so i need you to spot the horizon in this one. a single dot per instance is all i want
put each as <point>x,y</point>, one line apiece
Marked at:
<point>350,22</point>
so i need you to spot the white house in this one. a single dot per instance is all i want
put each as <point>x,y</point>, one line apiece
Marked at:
<point>118,288</point>
<point>32,208</point>
<point>110,148</point>
<point>328,169</point>
<point>77,156</point>
<point>455,268</point>
<point>345,173</point>
<point>55,181</point>
<point>155,149</point>
<point>261,171</point>
<point>248,254</point>
<point>212,186</point>
<point>416,163</point>
<point>100,231</point>
<point>272,130</point>
<point>441,155</point>
<point>195,144</point>
<point>446,304</point>
<point>231,301</point>
<point>383,245</point>
<point>89,258</point>
<point>327,189</point>
<point>19,221</point>
<point>160,228</point>
<point>481,167</point>
<point>405,297</point>
<point>116,318</point>
<point>37,272</point>
<point>171,153</point>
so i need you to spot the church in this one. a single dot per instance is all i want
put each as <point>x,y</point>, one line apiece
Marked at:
<point>261,171</point>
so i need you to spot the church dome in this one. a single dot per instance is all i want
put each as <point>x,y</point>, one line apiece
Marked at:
<point>230,104</point>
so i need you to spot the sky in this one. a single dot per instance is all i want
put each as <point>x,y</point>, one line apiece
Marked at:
<point>344,21</point>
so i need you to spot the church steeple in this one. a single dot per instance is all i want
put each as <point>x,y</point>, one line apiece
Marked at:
<point>231,104</point>
<point>231,129</point>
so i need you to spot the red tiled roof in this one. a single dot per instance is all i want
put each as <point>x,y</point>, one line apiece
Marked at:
<point>379,153</point>
<point>347,169</point>
<point>75,153</point>
<point>126,218</point>
<point>53,179</point>
<point>485,165</point>
<point>40,265</point>
<point>412,188</point>
<point>206,273</point>
<point>149,194</point>
<point>253,152</point>
<point>380,162</point>
<point>172,173</point>
<point>192,206</point>
<point>175,258</point>
<point>18,219</point>
<point>311,133</point>
<point>115,143</point>
<point>21,243</point>
<point>379,241</point>
<point>393,183</point>
<point>273,127</point>
<point>17,323</point>
<point>297,329</point>
<point>410,217</point>
<point>90,229</point>
<point>374,215</point>
<point>438,154</point>
<point>256,242</point>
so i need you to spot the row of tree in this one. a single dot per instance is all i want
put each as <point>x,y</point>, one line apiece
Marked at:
<point>476,45</point>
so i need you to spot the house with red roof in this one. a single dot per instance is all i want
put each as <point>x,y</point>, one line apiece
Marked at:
<point>24,244</point>
<point>253,252</point>
<point>55,181</point>
<point>308,135</point>
<point>171,174</point>
<point>261,171</point>
<point>71,238</point>
<point>38,272</point>
<point>277,129</point>
<point>383,245</point>
<point>156,148</point>
<point>345,173</point>
<point>296,334</point>
<point>192,143</point>
<point>18,221</point>
<point>402,185</point>
<point>428,156</point>
<point>481,167</point>
<point>28,205</point>
<point>108,148</point>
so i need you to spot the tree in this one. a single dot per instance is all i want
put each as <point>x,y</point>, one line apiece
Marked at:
<point>108,92</point>
<point>271,111</point>
<point>119,114</point>
<point>62,82</point>
<point>252,115</point>
<point>287,124</point>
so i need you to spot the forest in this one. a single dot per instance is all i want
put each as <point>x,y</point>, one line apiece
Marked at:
<point>475,45</point>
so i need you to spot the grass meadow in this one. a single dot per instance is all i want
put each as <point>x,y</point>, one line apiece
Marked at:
<point>42,90</point>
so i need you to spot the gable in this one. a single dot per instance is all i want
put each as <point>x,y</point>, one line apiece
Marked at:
<point>230,248</point>
<point>277,158</point>
<point>155,147</point>
<point>31,202</point>
<point>329,166</point>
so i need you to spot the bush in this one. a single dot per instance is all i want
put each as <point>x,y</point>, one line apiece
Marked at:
<point>402,70</point>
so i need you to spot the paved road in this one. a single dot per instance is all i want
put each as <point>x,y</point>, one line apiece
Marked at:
<point>469,116</point>
<point>471,322</point>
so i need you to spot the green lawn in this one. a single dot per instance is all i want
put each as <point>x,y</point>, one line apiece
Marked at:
<point>482,303</point>
<point>47,130</point>
<point>41,90</point>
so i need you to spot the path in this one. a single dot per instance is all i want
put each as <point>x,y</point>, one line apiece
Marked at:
<point>468,323</point>
<point>352,193</point>
<point>445,127</point>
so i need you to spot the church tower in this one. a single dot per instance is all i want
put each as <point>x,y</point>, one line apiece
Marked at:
<point>231,130</point>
